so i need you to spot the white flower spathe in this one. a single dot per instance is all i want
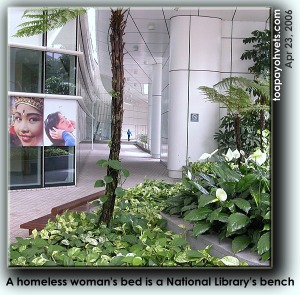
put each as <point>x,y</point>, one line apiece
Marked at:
<point>236,154</point>
<point>232,155</point>
<point>206,156</point>
<point>221,195</point>
<point>258,157</point>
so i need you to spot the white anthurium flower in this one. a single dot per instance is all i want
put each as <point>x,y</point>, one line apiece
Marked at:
<point>221,195</point>
<point>236,154</point>
<point>258,157</point>
<point>242,153</point>
<point>229,155</point>
<point>206,156</point>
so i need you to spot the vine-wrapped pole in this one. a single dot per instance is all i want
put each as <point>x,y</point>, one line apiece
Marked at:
<point>117,27</point>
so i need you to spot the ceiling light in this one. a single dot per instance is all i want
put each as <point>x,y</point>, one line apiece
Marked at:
<point>151,27</point>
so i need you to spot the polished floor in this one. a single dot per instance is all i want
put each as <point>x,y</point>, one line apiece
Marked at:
<point>25,205</point>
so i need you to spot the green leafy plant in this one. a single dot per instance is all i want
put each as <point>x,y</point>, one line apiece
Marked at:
<point>232,201</point>
<point>122,176</point>
<point>136,237</point>
<point>234,94</point>
<point>56,151</point>
<point>45,19</point>
<point>250,133</point>
<point>260,54</point>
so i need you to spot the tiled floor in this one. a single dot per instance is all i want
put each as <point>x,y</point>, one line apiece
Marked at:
<point>26,205</point>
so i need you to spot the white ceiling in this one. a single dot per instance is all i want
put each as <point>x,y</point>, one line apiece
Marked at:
<point>147,38</point>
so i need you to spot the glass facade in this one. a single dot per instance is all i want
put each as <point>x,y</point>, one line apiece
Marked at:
<point>25,167</point>
<point>33,163</point>
<point>64,37</point>
<point>60,74</point>
<point>59,165</point>
<point>25,70</point>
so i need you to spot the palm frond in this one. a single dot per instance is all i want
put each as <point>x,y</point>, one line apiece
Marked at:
<point>255,87</point>
<point>45,19</point>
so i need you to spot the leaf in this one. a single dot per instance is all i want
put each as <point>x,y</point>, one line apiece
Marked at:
<point>102,163</point>
<point>201,227</point>
<point>255,195</point>
<point>73,252</point>
<point>125,172</point>
<point>246,182</point>
<point>178,242</point>
<point>264,243</point>
<point>266,256</point>
<point>205,200</point>
<point>103,198</point>
<point>197,214</point>
<point>99,183</point>
<point>194,254</point>
<point>137,261</point>
<point>92,257</point>
<point>119,191</point>
<point>39,242</point>
<point>268,215</point>
<point>108,179</point>
<point>242,204</point>
<point>240,243</point>
<point>115,164</point>
<point>230,261</point>
<point>236,221</point>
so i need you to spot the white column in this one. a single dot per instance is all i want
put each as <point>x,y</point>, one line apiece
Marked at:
<point>156,111</point>
<point>195,60</point>
<point>178,95</point>
<point>149,116</point>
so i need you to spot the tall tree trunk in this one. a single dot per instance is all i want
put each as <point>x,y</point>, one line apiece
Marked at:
<point>117,26</point>
<point>237,131</point>
<point>262,120</point>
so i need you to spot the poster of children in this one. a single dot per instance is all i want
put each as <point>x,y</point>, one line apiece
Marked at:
<point>60,123</point>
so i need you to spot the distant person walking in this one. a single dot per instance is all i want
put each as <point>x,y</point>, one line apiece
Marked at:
<point>128,134</point>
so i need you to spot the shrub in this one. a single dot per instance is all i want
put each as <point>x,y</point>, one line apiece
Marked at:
<point>232,201</point>
<point>136,237</point>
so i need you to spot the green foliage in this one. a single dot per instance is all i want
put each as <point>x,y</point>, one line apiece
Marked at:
<point>250,129</point>
<point>143,138</point>
<point>45,19</point>
<point>233,93</point>
<point>260,53</point>
<point>52,151</point>
<point>122,175</point>
<point>243,214</point>
<point>136,237</point>
<point>238,129</point>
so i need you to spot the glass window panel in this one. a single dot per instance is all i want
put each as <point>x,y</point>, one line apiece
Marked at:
<point>60,73</point>
<point>14,19</point>
<point>25,70</point>
<point>64,37</point>
<point>59,163</point>
<point>25,167</point>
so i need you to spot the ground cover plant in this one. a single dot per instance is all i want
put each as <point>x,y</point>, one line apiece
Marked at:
<point>229,198</point>
<point>136,237</point>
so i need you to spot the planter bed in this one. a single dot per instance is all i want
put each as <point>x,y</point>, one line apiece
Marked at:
<point>178,225</point>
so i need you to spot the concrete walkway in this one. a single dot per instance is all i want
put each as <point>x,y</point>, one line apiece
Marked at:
<point>25,205</point>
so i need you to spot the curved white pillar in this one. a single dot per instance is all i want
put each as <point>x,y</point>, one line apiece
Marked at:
<point>195,60</point>
<point>149,122</point>
<point>156,111</point>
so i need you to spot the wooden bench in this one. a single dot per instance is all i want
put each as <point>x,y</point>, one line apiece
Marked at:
<point>79,205</point>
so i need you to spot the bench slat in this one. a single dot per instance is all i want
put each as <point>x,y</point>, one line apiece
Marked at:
<point>79,205</point>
